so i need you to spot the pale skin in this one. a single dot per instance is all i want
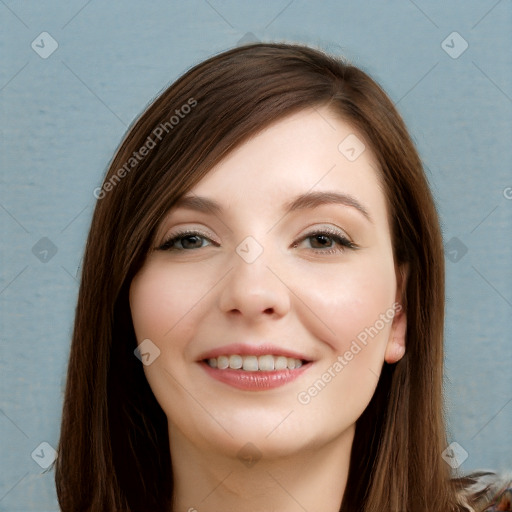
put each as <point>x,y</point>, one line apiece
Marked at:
<point>310,297</point>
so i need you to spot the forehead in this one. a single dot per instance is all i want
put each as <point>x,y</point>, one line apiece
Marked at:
<point>310,151</point>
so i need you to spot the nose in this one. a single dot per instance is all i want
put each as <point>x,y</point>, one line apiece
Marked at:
<point>254,291</point>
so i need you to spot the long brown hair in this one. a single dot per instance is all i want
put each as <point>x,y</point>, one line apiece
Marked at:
<point>113,452</point>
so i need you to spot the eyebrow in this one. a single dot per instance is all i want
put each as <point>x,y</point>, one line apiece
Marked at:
<point>309,200</point>
<point>315,199</point>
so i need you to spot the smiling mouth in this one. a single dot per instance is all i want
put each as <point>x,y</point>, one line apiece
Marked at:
<point>265,363</point>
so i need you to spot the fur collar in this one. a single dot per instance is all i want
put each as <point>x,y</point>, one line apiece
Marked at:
<point>486,491</point>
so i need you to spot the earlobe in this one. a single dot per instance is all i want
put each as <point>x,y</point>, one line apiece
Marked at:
<point>395,348</point>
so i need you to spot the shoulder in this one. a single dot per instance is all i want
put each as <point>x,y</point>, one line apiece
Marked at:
<point>486,491</point>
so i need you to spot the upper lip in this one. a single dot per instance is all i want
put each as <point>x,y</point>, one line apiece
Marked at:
<point>246,349</point>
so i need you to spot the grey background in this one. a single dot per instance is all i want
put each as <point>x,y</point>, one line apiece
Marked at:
<point>63,116</point>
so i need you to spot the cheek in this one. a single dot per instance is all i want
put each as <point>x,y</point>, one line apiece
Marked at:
<point>349,303</point>
<point>353,316</point>
<point>164,300</point>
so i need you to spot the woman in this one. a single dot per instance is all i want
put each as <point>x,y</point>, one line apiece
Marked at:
<point>266,244</point>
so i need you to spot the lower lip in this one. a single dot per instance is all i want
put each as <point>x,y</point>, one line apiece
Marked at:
<point>255,381</point>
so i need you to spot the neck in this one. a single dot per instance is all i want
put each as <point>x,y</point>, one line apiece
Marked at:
<point>311,479</point>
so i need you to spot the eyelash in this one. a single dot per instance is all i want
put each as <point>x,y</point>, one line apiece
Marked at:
<point>167,245</point>
<point>336,236</point>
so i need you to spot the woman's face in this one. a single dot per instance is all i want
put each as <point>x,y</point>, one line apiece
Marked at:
<point>287,270</point>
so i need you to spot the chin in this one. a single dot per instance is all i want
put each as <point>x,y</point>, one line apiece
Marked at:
<point>269,436</point>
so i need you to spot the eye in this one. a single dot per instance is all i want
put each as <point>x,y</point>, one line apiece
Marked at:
<point>326,241</point>
<point>186,240</point>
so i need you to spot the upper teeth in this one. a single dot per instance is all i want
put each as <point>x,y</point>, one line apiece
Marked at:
<point>255,363</point>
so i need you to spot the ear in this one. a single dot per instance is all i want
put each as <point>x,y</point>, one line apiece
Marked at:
<point>395,348</point>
